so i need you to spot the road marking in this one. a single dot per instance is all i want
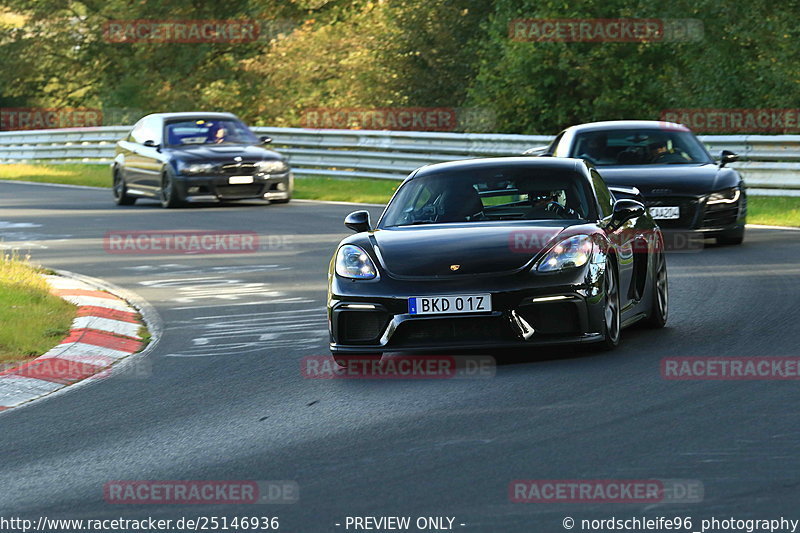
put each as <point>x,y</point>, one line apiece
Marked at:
<point>6,225</point>
<point>224,335</point>
<point>174,269</point>
<point>191,290</point>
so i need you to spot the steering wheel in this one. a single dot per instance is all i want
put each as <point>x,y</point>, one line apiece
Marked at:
<point>556,208</point>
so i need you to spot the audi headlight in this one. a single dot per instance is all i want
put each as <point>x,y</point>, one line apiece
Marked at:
<point>728,196</point>
<point>571,252</point>
<point>198,168</point>
<point>354,263</point>
<point>275,166</point>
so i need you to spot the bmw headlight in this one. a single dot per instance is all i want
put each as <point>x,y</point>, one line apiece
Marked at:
<point>571,252</point>
<point>354,263</point>
<point>274,166</point>
<point>728,196</point>
<point>198,168</point>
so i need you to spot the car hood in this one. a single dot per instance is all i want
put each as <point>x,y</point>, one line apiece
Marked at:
<point>477,248</point>
<point>661,180</point>
<point>222,152</point>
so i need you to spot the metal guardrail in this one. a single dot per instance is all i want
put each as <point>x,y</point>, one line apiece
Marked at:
<point>769,163</point>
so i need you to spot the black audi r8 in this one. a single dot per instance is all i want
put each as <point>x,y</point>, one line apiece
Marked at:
<point>682,186</point>
<point>492,253</point>
<point>197,157</point>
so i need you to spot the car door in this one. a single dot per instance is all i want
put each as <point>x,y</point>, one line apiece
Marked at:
<point>129,166</point>
<point>623,239</point>
<point>149,159</point>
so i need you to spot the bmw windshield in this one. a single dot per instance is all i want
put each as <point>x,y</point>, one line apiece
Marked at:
<point>208,131</point>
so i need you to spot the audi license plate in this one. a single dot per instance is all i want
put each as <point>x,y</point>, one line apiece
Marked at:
<point>439,305</point>
<point>665,213</point>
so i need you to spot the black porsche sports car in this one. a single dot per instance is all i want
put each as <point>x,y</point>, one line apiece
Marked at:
<point>197,157</point>
<point>501,252</point>
<point>682,186</point>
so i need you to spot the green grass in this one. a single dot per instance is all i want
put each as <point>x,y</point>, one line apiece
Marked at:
<point>771,210</point>
<point>71,174</point>
<point>774,210</point>
<point>366,191</point>
<point>32,321</point>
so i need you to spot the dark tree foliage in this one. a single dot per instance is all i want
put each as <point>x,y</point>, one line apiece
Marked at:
<point>395,53</point>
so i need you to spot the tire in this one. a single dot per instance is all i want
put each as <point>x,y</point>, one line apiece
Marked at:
<point>733,238</point>
<point>120,190</point>
<point>347,359</point>
<point>659,306</point>
<point>611,309</point>
<point>168,195</point>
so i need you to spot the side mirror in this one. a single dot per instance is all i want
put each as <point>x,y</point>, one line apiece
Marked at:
<point>726,156</point>
<point>265,139</point>
<point>151,144</point>
<point>626,209</point>
<point>629,193</point>
<point>358,221</point>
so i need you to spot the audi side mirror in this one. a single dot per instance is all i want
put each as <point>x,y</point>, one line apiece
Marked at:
<point>726,156</point>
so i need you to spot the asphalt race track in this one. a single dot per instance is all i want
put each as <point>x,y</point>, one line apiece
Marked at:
<point>224,398</point>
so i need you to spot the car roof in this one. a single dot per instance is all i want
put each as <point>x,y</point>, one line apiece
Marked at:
<point>627,124</point>
<point>562,163</point>
<point>192,114</point>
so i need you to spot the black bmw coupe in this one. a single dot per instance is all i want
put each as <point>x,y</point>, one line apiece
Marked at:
<point>197,157</point>
<point>501,252</point>
<point>681,184</point>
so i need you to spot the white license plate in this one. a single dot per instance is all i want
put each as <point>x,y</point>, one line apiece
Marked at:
<point>665,213</point>
<point>240,180</point>
<point>439,305</point>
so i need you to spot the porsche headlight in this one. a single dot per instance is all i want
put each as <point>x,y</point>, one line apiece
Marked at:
<point>354,263</point>
<point>728,196</point>
<point>275,166</point>
<point>198,168</point>
<point>571,252</point>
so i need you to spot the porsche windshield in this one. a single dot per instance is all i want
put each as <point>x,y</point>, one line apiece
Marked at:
<point>487,195</point>
<point>208,131</point>
<point>639,147</point>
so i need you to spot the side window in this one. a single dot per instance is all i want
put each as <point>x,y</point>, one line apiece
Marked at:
<point>604,196</point>
<point>135,135</point>
<point>147,130</point>
<point>553,145</point>
<point>423,198</point>
<point>562,147</point>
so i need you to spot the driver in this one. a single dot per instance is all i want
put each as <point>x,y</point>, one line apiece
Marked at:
<point>595,149</point>
<point>217,134</point>
<point>546,205</point>
<point>661,152</point>
<point>541,200</point>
